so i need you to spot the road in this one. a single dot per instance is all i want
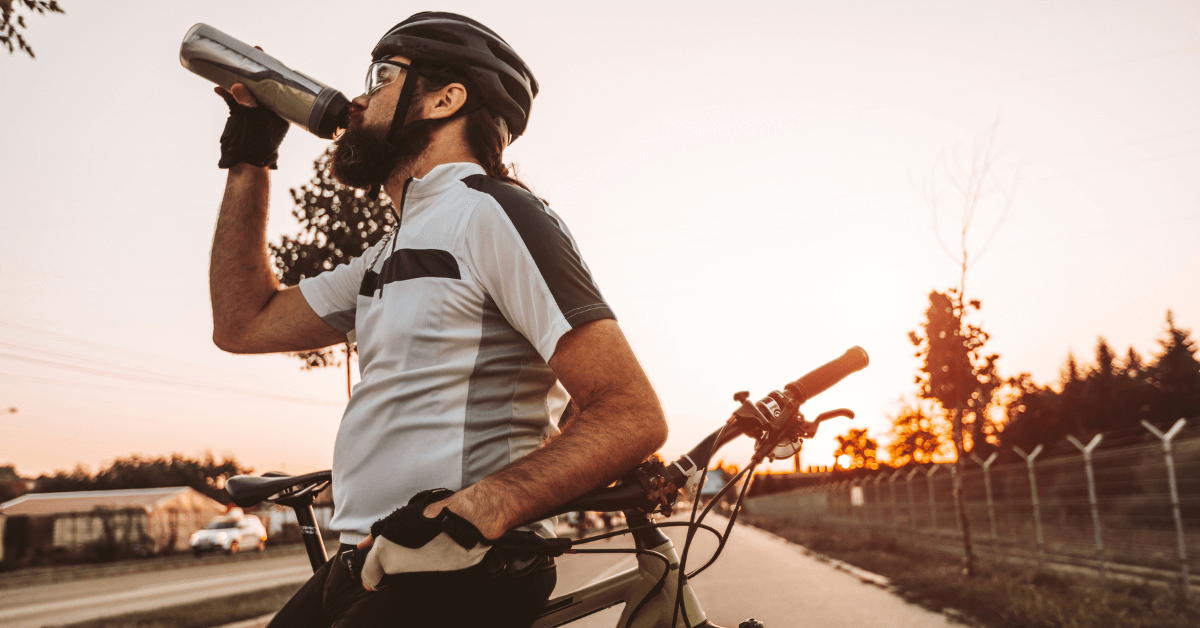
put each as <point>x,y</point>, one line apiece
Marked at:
<point>52,604</point>
<point>759,575</point>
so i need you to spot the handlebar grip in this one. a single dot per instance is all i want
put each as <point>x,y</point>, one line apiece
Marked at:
<point>825,376</point>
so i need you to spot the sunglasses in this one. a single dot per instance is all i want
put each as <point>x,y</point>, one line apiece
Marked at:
<point>383,72</point>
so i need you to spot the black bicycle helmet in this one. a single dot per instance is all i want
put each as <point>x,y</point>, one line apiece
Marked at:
<point>495,76</point>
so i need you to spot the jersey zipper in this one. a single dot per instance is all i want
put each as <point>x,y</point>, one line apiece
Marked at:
<point>400,214</point>
<point>395,232</point>
<point>403,195</point>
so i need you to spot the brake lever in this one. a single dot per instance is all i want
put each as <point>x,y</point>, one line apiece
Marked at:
<point>808,429</point>
<point>749,410</point>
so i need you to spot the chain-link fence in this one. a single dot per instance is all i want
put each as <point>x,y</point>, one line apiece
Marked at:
<point>1129,508</point>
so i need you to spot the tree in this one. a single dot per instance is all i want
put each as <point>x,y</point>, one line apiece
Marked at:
<point>1032,414</point>
<point>337,223</point>
<point>1108,395</point>
<point>9,27</point>
<point>206,474</point>
<point>918,436</point>
<point>860,448</point>
<point>956,373</point>
<point>1174,376</point>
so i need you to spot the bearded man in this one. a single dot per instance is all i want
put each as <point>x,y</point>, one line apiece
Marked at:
<point>477,323</point>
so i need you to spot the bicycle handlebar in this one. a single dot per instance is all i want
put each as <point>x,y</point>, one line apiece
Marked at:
<point>825,376</point>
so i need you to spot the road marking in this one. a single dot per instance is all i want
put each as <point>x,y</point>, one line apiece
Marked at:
<point>280,576</point>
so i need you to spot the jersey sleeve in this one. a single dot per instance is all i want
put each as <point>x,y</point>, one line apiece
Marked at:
<point>333,294</point>
<point>525,258</point>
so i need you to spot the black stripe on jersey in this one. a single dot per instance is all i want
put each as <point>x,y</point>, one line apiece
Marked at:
<point>369,285</point>
<point>562,269</point>
<point>407,264</point>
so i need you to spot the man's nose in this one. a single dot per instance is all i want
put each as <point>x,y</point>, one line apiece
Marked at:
<point>360,102</point>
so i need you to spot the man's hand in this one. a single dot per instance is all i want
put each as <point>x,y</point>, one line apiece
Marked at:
<point>410,541</point>
<point>252,134</point>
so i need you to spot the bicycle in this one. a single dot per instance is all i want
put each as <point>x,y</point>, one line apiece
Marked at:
<point>653,593</point>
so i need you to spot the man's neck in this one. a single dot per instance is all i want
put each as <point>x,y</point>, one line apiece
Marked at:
<point>438,153</point>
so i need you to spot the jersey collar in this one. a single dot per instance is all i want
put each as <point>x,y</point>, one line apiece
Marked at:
<point>441,178</point>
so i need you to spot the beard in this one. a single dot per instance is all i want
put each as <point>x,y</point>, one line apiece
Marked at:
<point>363,157</point>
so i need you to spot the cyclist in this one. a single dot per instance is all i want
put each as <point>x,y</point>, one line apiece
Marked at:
<point>477,323</point>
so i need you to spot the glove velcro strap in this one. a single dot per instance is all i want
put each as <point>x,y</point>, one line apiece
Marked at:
<point>460,530</point>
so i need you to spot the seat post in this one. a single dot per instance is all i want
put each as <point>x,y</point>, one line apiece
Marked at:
<point>310,532</point>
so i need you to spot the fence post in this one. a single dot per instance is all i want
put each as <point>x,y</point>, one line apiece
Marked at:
<point>912,502</point>
<point>895,504</point>
<point>1166,442</point>
<point>850,495</point>
<point>1037,509</point>
<point>878,502</point>
<point>987,487</point>
<point>957,506</point>
<point>932,501</point>
<point>1087,465</point>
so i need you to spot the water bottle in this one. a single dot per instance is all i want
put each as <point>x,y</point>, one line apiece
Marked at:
<point>299,99</point>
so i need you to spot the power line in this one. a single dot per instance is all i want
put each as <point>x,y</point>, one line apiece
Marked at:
<point>146,375</point>
<point>1084,152</point>
<point>1075,70</point>
<point>1139,162</point>
<point>108,348</point>
<point>164,382</point>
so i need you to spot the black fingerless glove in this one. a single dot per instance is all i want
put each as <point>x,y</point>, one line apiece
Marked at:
<point>252,136</point>
<point>408,526</point>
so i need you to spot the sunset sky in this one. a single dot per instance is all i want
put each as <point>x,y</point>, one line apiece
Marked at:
<point>744,179</point>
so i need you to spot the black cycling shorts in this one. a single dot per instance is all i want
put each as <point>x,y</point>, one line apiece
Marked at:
<point>452,599</point>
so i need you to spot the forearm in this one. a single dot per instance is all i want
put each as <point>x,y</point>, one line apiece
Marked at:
<point>603,442</point>
<point>241,281</point>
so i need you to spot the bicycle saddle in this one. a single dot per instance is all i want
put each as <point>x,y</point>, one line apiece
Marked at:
<point>248,490</point>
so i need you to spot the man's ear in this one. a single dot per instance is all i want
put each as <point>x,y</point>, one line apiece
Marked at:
<point>448,100</point>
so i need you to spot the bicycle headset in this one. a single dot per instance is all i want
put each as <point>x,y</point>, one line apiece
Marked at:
<point>451,46</point>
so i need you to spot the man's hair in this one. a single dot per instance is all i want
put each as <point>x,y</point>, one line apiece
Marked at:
<point>487,134</point>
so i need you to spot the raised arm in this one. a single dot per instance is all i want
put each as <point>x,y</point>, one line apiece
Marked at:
<point>251,313</point>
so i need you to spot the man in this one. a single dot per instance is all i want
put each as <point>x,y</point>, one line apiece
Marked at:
<point>474,320</point>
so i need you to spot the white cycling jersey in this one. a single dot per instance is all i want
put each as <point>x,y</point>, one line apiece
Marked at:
<point>455,316</point>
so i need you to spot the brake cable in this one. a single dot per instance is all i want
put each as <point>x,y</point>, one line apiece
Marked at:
<point>693,521</point>
<point>658,586</point>
<point>737,509</point>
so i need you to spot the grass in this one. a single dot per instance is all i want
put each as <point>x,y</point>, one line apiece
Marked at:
<point>202,614</point>
<point>1000,595</point>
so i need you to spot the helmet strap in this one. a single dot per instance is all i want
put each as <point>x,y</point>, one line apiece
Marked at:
<point>399,130</point>
<point>403,104</point>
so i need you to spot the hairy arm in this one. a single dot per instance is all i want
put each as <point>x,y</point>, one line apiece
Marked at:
<point>618,425</point>
<point>251,313</point>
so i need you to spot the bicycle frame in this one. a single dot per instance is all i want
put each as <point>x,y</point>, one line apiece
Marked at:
<point>630,587</point>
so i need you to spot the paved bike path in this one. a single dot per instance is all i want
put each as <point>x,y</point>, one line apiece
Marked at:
<point>762,576</point>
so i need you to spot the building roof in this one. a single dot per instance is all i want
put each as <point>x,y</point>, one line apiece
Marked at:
<point>86,501</point>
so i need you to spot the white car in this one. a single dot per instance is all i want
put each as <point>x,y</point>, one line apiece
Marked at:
<point>229,535</point>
